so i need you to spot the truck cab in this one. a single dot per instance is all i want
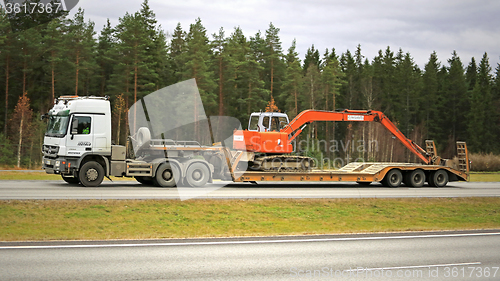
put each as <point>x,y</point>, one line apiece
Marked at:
<point>79,128</point>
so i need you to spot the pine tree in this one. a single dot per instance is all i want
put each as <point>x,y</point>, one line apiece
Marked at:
<point>430,97</point>
<point>481,138</point>
<point>312,57</point>
<point>348,66</point>
<point>253,77</point>
<point>28,42</point>
<point>156,49</point>
<point>291,94</point>
<point>81,39</point>
<point>332,79</point>
<point>55,53</point>
<point>273,57</point>
<point>106,57</point>
<point>456,108</point>
<point>134,70</point>
<point>496,102</point>
<point>243,86</point>
<point>471,75</point>
<point>177,54</point>
<point>198,57</point>
<point>219,48</point>
<point>407,88</point>
<point>6,54</point>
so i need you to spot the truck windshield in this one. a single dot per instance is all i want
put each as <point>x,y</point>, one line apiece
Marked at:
<point>57,126</point>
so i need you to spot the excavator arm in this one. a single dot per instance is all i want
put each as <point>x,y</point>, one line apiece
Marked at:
<point>295,127</point>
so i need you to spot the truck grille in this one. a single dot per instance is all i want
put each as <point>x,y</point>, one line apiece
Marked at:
<point>50,150</point>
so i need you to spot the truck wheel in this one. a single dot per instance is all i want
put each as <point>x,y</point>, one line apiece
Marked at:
<point>393,178</point>
<point>438,178</point>
<point>70,180</point>
<point>166,175</point>
<point>145,180</point>
<point>415,178</point>
<point>91,174</point>
<point>197,175</point>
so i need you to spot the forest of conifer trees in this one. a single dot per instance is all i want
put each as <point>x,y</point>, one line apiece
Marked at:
<point>237,75</point>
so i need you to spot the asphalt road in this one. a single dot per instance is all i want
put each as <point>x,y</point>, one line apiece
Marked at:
<point>399,256</point>
<point>14,189</point>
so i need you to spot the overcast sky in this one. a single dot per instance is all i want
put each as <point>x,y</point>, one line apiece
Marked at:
<point>418,27</point>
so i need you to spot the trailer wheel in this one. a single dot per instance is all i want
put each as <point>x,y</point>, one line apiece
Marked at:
<point>415,178</point>
<point>70,180</point>
<point>197,175</point>
<point>393,178</point>
<point>145,180</point>
<point>91,174</point>
<point>166,175</point>
<point>438,178</point>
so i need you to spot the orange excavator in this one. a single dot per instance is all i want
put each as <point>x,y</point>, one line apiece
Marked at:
<point>271,135</point>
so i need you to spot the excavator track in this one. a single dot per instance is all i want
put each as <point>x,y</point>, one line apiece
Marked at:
<point>282,163</point>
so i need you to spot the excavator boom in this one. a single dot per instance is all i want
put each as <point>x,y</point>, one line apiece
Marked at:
<point>294,128</point>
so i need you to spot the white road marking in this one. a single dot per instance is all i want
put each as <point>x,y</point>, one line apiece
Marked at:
<point>245,241</point>
<point>413,266</point>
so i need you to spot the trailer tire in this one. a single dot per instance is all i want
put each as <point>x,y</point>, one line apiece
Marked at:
<point>166,175</point>
<point>91,174</point>
<point>145,180</point>
<point>197,175</point>
<point>415,178</point>
<point>438,178</point>
<point>393,178</point>
<point>71,180</point>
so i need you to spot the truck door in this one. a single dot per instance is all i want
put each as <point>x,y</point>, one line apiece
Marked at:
<point>79,139</point>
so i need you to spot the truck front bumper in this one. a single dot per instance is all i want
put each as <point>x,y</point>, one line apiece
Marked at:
<point>58,165</point>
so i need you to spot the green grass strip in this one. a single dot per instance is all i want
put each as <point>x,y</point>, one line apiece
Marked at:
<point>141,219</point>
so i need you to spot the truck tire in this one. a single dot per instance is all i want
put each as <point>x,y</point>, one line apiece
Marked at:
<point>438,178</point>
<point>91,174</point>
<point>166,175</point>
<point>70,180</point>
<point>197,175</point>
<point>415,178</point>
<point>393,178</point>
<point>145,180</point>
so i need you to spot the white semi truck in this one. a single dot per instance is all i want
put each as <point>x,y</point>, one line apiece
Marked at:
<point>77,145</point>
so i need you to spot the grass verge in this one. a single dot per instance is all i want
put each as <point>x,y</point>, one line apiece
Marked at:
<point>485,177</point>
<point>146,219</point>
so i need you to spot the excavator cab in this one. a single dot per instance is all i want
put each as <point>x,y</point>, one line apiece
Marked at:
<point>267,121</point>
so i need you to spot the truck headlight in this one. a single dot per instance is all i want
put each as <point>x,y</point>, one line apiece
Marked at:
<point>58,163</point>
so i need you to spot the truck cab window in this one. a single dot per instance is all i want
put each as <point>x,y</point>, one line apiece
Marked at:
<point>83,127</point>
